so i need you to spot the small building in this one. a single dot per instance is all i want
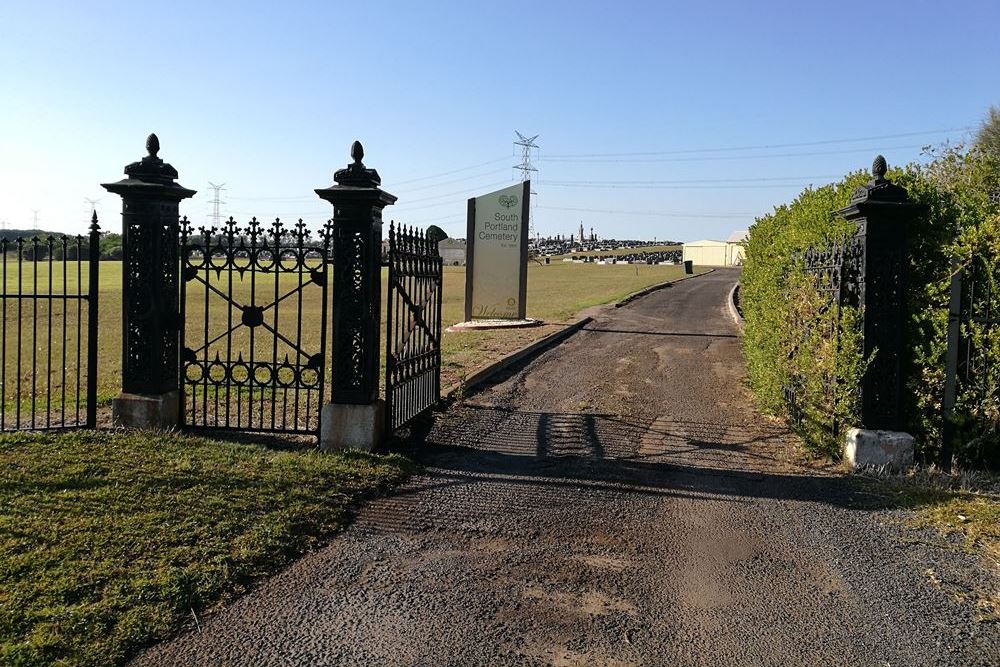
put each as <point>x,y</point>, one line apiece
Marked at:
<point>706,252</point>
<point>452,251</point>
<point>736,247</point>
<point>717,253</point>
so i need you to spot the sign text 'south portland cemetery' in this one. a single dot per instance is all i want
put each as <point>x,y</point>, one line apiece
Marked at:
<point>496,277</point>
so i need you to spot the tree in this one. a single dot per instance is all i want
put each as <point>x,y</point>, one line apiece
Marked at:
<point>988,137</point>
<point>436,234</point>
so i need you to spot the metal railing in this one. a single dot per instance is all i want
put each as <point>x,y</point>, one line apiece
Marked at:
<point>48,339</point>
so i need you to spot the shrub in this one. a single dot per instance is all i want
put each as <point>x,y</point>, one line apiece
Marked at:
<point>787,341</point>
<point>782,324</point>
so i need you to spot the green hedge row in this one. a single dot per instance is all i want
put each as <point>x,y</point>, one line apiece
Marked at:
<point>788,341</point>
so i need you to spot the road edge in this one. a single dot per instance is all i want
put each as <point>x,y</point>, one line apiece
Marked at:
<point>652,288</point>
<point>733,310</point>
<point>484,373</point>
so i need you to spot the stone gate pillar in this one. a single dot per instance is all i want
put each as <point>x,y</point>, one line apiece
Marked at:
<point>877,283</point>
<point>150,395</point>
<point>355,415</point>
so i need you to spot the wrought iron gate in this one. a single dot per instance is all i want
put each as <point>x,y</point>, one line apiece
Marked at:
<point>972,382</point>
<point>53,383</point>
<point>835,273</point>
<point>253,326</point>
<point>413,326</point>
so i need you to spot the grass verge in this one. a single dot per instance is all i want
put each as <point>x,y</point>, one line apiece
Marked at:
<point>112,540</point>
<point>961,505</point>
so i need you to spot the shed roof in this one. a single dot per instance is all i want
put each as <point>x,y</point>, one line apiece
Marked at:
<point>739,236</point>
<point>706,242</point>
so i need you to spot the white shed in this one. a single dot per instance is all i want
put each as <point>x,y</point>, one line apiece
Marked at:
<point>706,252</point>
<point>736,247</point>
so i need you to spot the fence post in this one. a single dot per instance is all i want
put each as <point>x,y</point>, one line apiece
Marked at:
<point>951,365</point>
<point>876,282</point>
<point>355,415</point>
<point>93,289</point>
<point>150,395</point>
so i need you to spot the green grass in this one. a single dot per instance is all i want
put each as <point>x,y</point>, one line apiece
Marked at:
<point>556,292</point>
<point>110,541</point>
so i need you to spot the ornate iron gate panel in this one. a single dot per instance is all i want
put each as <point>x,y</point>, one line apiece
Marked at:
<point>254,313</point>
<point>413,326</point>
<point>836,274</point>
<point>48,339</point>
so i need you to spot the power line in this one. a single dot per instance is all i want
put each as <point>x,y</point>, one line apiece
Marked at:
<point>824,142</point>
<point>717,186</point>
<point>275,199</point>
<point>449,173</point>
<point>416,189</point>
<point>456,180</point>
<point>463,191</point>
<point>660,214</point>
<point>765,156</point>
<point>693,181</point>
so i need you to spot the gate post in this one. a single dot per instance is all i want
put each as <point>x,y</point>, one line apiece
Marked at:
<point>355,417</point>
<point>880,210</point>
<point>150,395</point>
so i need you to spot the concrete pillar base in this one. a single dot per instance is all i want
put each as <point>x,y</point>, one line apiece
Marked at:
<point>865,448</point>
<point>347,426</point>
<point>146,411</point>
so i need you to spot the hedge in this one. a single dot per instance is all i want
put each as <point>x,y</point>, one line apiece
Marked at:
<point>958,224</point>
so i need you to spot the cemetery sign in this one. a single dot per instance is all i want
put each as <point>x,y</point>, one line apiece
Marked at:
<point>496,274</point>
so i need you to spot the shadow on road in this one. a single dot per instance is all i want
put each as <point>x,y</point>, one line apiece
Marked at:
<point>475,444</point>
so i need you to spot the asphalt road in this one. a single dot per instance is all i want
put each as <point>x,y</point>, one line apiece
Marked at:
<point>615,502</point>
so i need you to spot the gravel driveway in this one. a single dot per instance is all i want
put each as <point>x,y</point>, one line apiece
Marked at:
<point>615,502</point>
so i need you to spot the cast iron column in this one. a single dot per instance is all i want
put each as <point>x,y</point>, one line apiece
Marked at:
<point>881,211</point>
<point>357,306</point>
<point>150,316</point>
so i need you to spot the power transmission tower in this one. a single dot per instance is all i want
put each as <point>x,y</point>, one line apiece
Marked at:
<point>216,202</point>
<point>91,206</point>
<point>34,217</point>
<point>526,168</point>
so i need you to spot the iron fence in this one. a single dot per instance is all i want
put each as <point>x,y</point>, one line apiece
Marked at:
<point>48,339</point>
<point>972,378</point>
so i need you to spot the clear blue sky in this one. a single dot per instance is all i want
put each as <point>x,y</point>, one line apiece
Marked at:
<point>267,98</point>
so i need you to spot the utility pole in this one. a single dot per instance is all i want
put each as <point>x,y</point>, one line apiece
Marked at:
<point>216,202</point>
<point>526,168</point>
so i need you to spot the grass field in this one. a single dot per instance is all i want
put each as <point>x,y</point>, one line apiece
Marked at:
<point>555,293</point>
<point>112,540</point>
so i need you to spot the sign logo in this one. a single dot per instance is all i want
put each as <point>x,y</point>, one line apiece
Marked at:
<point>508,201</point>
